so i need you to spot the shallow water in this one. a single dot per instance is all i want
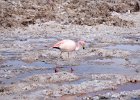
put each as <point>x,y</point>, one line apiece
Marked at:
<point>98,66</point>
<point>85,68</point>
<point>127,47</point>
<point>98,69</point>
<point>37,67</point>
<point>105,65</point>
<point>19,63</point>
<point>128,87</point>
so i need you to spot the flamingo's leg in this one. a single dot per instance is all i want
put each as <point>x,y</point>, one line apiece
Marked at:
<point>71,70</point>
<point>68,55</point>
<point>61,55</point>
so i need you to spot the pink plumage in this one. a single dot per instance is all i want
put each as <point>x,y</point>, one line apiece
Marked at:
<point>58,44</point>
<point>69,45</point>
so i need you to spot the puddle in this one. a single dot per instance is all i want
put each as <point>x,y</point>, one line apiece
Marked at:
<point>128,87</point>
<point>135,58</point>
<point>99,69</point>
<point>114,65</point>
<point>24,75</point>
<point>18,64</point>
<point>2,40</point>
<point>32,40</point>
<point>109,61</point>
<point>34,68</point>
<point>132,37</point>
<point>10,53</point>
<point>127,47</point>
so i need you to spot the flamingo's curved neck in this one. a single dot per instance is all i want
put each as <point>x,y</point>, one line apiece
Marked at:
<point>78,46</point>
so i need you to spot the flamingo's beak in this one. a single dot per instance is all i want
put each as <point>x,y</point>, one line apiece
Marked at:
<point>83,47</point>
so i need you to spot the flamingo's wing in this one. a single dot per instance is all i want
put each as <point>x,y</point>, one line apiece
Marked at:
<point>57,45</point>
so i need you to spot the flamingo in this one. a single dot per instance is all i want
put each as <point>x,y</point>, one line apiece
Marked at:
<point>69,46</point>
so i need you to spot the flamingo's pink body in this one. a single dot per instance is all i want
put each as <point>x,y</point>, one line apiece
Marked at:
<point>69,45</point>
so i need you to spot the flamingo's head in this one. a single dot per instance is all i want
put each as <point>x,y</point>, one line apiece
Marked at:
<point>82,43</point>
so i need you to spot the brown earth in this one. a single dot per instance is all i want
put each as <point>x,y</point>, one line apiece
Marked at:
<point>15,13</point>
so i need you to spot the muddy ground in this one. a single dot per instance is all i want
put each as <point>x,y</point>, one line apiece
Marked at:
<point>108,69</point>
